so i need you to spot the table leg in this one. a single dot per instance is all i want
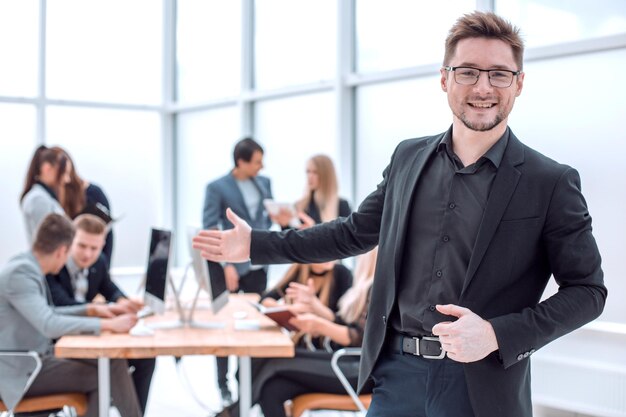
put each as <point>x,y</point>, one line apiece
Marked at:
<point>245,386</point>
<point>104,386</point>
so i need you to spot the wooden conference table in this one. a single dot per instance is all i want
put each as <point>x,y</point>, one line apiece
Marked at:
<point>267,341</point>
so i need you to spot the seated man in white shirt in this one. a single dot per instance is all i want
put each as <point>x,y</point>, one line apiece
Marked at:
<point>31,322</point>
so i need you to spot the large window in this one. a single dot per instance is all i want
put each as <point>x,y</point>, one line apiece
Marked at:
<point>19,40</point>
<point>108,51</point>
<point>294,42</point>
<point>388,113</point>
<point>291,131</point>
<point>120,151</point>
<point>403,33</point>
<point>17,140</point>
<point>549,22</point>
<point>208,49</point>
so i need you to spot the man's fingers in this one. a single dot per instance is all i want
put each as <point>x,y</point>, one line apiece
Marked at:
<point>452,310</point>
<point>442,328</point>
<point>234,219</point>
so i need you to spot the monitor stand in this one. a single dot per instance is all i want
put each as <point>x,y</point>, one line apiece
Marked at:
<point>172,324</point>
<point>202,324</point>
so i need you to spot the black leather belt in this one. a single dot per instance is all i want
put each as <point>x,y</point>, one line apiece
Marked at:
<point>428,347</point>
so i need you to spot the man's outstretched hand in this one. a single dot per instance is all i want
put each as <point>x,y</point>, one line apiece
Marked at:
<point>225,245</point>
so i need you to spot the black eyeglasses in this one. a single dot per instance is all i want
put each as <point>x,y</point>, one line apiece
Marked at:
<point>499,78</point>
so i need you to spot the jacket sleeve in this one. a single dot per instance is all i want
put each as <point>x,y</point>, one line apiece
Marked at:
<point>60,295</point>
<point>26,297</point>
<point>575,262</point>
<point>106,286</point>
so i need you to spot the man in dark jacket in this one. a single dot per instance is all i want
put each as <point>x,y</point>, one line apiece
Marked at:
<point>471,225</point>
<point>85,276</point>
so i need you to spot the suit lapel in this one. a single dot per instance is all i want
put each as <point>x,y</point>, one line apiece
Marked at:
<point>502,190</point>
<point>242,209</point>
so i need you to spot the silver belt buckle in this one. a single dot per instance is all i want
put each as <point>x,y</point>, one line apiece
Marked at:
<point>432,339</point>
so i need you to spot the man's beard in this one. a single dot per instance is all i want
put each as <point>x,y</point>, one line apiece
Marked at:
<point>481,127</point>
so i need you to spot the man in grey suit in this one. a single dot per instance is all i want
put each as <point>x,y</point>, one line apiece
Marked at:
<point>31,322</point>
<point>471,225</point>
<point>243,190</point>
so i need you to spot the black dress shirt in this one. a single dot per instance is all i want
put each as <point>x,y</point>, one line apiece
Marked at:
<point>446,212</point>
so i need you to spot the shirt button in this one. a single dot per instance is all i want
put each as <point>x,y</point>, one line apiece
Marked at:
<point>439,273</point>
<point>520,357</point>
<point>451,206</point>
<point>446,238</point>
<point>432,308</point>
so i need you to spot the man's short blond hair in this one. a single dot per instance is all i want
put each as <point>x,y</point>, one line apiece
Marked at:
<point>91,224</point>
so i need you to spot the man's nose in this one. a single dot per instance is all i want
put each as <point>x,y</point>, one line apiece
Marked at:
<point>483,83</point>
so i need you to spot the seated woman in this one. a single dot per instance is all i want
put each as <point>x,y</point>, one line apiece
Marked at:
<point>280,379</point>
<point>311,288</point>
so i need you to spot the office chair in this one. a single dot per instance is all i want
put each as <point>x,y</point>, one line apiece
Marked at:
<point>341,402</point>
<point>70,404</point>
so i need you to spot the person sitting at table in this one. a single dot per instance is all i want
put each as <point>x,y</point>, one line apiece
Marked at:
<point>277,380</point>
<point>85,276</point>
<point>311,288</point>
<point>31,322</point>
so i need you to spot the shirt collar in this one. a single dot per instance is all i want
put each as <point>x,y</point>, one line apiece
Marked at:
<point>72,268</point>
<point>494,154</point>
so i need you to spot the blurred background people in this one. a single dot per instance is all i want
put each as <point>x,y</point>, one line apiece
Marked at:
<point>78,195</point>
<point>30,322</point>
<point>276,380</point>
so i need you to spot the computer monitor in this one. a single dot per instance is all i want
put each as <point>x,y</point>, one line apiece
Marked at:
<point>209,276</point>
<point>157,272</point>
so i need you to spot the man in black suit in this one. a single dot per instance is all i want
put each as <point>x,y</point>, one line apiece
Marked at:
<point>85,276</point>
<point>470,224</point>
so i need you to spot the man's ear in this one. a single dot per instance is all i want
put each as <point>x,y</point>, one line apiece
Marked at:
<point>444,80</point>
<point>62,252</point>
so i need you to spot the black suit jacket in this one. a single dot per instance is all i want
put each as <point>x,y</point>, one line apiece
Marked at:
<point>536,224</point>
<point>99,282</point>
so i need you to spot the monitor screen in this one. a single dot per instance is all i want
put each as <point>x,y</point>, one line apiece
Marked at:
<point>209,275</point>
<point>157,270</point>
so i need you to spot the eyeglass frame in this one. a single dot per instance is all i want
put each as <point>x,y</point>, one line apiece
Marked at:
<point>453,69</point>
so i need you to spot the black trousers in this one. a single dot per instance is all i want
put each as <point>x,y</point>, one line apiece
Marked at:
<point>288,385</point>
<point>411,386</point>
<point>142,377</point>
<point>253,282</point>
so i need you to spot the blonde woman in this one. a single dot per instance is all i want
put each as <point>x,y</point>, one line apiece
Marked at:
<point>311,288</point>
<point>320,202</point>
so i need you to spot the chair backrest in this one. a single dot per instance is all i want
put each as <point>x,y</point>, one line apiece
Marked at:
<point>21,369</point>
<point>324,401</point>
